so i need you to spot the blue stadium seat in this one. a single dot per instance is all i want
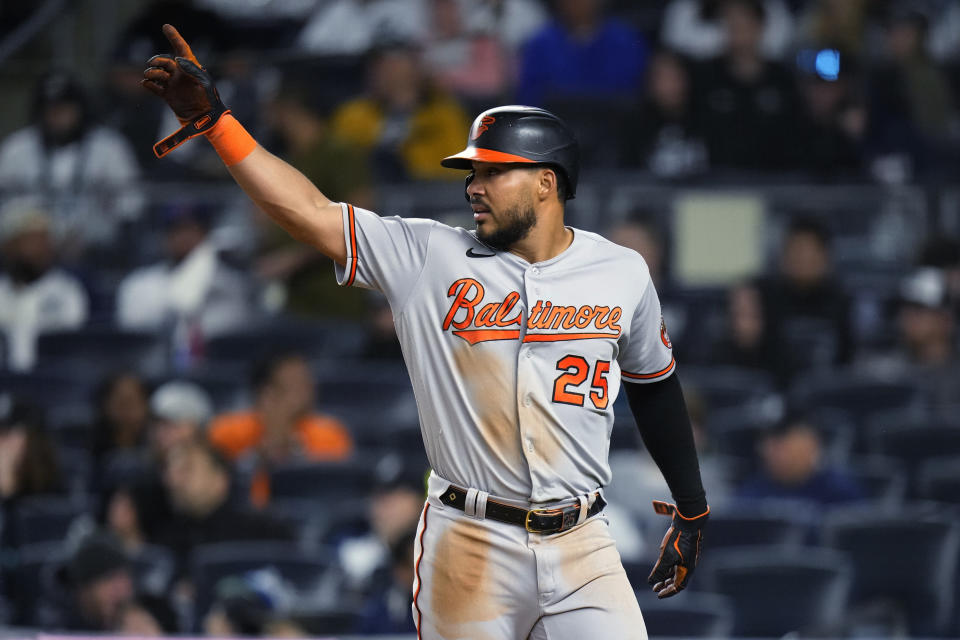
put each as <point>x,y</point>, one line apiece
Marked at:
<point>777,591</point>
<point>99,349</point>
<point>322,480</point>
<point>858,397</point>
<point>906,561</point>
<point>47,518</point>
<point>752,527</point>
<point>883,478</point>
<point>939,480</point>
<point>32,583</point>
<point>689,614</point>
<point>729,387</point>
<point>914,443</point>
<point>48,387</point>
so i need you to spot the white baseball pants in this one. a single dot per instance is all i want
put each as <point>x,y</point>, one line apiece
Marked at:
<point>479,579</point>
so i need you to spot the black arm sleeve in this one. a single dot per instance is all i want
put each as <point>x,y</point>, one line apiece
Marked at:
<point>661,415</point>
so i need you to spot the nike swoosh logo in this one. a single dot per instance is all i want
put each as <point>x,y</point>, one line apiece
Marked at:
<point>471,254</point>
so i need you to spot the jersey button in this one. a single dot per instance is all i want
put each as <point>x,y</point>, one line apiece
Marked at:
<point>529,353</point>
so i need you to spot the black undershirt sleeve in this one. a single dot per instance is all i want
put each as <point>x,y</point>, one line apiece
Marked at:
<point>661,415</point>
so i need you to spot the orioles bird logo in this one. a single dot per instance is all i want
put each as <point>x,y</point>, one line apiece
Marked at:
<point>663,334</point>
<point>484,125</point>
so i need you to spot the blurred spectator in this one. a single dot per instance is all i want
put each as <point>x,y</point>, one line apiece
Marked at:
<point>943,252</point>
<point>513,21</point>
<point>642,234</point>
<point>121,403</point>
<point>834,123</point>
<point>693,28</point>
<point>382,342</point>
<point>469,63</point>
<point>100,582</point>
<point>808,313</point>
<point>28,463</point>
<point>387,610</point>
<point>298,275</point>
<point>36,295</point>
<point>394,509</point>
<point>88,172</point>
<point>836,24</point>
<point>181,411</point>
<point>198,480</point>
<point>282,426</point>
<point>944,41</point>
<point>663,136</point>
<point>746,104</point>
<point>121,516</point>
<point>404,122</point>
<point>911,107</point>
<point>584,52</point>
<point>353,27</point>
<point>746,340</point>
<point>927,351</point>
<point>193,292</point>
<point>794,468</point>
<point>254,604</point>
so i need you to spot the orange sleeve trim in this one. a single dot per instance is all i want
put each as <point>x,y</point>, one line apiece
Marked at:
<point>352,222</point>
<point>230,140</point>
<point>650,376</point>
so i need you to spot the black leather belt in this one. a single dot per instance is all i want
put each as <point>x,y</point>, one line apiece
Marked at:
<point>553,520</point>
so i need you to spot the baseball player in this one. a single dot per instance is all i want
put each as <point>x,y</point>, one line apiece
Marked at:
<point>516,336</point>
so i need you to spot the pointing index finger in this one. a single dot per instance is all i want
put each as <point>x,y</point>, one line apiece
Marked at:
<point>180,47</point>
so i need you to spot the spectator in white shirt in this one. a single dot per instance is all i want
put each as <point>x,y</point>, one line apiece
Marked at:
<point>35,295</point>
<point>192,293</point>
<point>87,172</point>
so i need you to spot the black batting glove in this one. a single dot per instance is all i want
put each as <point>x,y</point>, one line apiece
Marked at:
<point>679,551</point>
<point>186,87</point>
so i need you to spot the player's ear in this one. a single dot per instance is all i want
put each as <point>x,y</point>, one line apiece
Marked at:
<point>547,183</point>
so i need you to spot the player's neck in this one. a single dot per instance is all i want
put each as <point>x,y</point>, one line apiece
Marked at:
<point>548,239</point>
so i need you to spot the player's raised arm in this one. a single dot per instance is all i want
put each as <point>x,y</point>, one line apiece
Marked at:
<point>283,193</point>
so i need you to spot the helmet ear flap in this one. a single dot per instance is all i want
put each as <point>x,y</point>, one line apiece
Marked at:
<point>466,184</point>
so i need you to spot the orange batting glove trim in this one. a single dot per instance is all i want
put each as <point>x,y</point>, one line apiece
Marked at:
<point>230,140</point>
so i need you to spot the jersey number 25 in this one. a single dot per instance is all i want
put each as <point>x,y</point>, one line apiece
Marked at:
<point>576,370</point>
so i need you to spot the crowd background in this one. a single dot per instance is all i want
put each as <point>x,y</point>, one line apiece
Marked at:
<point>202,433</point>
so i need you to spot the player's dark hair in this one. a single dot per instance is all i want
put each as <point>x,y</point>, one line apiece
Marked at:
<point>562,187</point>
<point>808,225</point>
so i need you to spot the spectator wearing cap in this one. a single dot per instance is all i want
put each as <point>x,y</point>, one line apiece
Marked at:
<point>693,28</point>
<point>283,425</point>
<point>36,295</point>
<point>353,27</point>
<point>926,351</point>
<point>181,411</point>
<point>100,584</point>
<point>192,292</point>
<point>87,171</point>
<point>793,467</point>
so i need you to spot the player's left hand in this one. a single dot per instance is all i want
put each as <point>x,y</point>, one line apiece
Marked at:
<point>679,551</point>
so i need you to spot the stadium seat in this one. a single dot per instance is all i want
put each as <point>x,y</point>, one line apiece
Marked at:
<point>98,349</point>
<point>906,561</point>
<point>254,343</point>
<point>939,480</point>
<point>48,387</point>
<point>322,480</point>
<point>751,527</point>
<point>777,591</point>
<point>914,443</point>
<point>47,518</point>
<point>210,563</point>
<point>689,614</point>
<point>858,397</point>
<point>728,387</point>
<point>883,478</point>
<point>33,581</point>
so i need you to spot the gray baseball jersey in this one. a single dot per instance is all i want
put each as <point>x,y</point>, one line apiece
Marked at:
<point>515,366</point>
